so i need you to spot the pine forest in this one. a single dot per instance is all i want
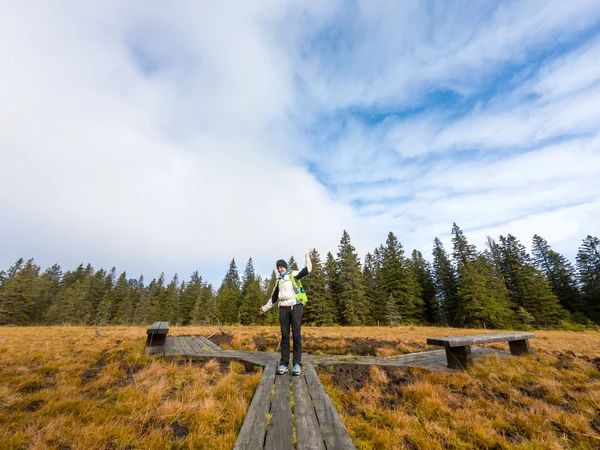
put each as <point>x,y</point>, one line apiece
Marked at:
<point>501,286</point>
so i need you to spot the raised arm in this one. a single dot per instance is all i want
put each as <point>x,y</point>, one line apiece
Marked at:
<point>307,266</point>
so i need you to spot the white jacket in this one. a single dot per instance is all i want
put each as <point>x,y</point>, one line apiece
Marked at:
<point>284,289</point>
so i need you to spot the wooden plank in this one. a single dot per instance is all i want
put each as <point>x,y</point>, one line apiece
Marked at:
<point>279,434</point>
<point>198,349</point>
<point>228,356</point>
<point>169,347</point>
<point>158,328</point>
<point>164,328</point>
<point>334,433</point>
<point>187,347</point>
<point>252,433</point>
<point>178,348</point>
<point>308,432</point>
<point>201,344</point>
<point>154,326</point>
<point>210,344</point>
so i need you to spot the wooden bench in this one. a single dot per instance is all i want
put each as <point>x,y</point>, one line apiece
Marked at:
<point>157,336</point>
<point>458,348</point>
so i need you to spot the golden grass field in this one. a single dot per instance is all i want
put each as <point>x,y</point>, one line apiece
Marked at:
<point>93,388</point>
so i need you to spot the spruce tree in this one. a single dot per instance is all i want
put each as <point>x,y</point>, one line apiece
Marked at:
<point>190,294</point>
<point>80,274</point>
<point>122,302</point>
<point>378,307</point>
<point>372,296</point>
<point>99,284</point>
<point>205,309</point>
<point>399,281</point>
<point>392,316</point>
<point>330,272</point>
<point>150,298</point>
<point>527,286</point>
<point>251,296</point>
<point>15,268</point>
<point>72,306</point>
<point>559,272</point>
<point>446,283</point>
<point>423,273</point>
<point>228,296</point>
<point>105,307</point>
<point>166,307</point>
<point>20,294</point>
<point>292,263</point>
<point>350,288</point>
<point>463,251</point>
<point>139,290</point>
<point>51,280</point>
<point>319,309</point>
<point>588,266</point>
<point>482,297</point>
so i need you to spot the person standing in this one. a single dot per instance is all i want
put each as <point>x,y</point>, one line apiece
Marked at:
<point>291,309</point>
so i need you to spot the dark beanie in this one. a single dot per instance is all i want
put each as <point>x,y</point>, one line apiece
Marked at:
<point>281,263</point>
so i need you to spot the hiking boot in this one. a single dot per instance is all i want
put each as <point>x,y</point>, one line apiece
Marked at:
<point>296,370</point>
<point>281,369</point>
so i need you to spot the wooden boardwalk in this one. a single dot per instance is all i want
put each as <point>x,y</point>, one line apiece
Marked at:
<point>201,348</point>
<point>290,412</point>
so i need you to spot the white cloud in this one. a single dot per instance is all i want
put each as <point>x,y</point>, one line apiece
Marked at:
<point>387,53</point>
<point>115,165</point>
<point>571,73</point>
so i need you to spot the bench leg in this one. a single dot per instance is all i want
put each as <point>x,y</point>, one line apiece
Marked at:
<point>519,348</point>
<point>156,340</point>
<point>459,357</point>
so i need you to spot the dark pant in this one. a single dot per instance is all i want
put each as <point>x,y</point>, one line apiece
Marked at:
<point>291,317</point>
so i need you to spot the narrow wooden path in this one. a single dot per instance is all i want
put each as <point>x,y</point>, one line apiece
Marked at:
<point>290,412</point>
<point>201,348</point>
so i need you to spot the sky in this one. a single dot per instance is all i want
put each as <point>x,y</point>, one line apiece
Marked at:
<point>172,138</point>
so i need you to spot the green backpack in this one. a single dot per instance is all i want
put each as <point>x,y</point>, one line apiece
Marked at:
<point>298,290</point>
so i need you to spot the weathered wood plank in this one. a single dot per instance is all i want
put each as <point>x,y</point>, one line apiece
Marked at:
<point>461,341</point>
<point>158,328</point>
<point>279,434</point>
<point>177,346</point>
<point>169,347</point>
<point>334,433</point>
<point>252,433</point>
<point>308,431</point>
<point>201,344</point>
<point>210,344</point>
<point>197,347</point>
<point>187,346</point>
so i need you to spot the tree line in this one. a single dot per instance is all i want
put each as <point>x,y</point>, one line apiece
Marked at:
<point>502,286</point>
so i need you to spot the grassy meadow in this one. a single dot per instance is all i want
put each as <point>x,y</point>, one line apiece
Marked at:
<point>93,388</point>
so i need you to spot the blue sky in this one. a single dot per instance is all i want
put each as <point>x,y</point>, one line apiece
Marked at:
<point>173,139</point>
